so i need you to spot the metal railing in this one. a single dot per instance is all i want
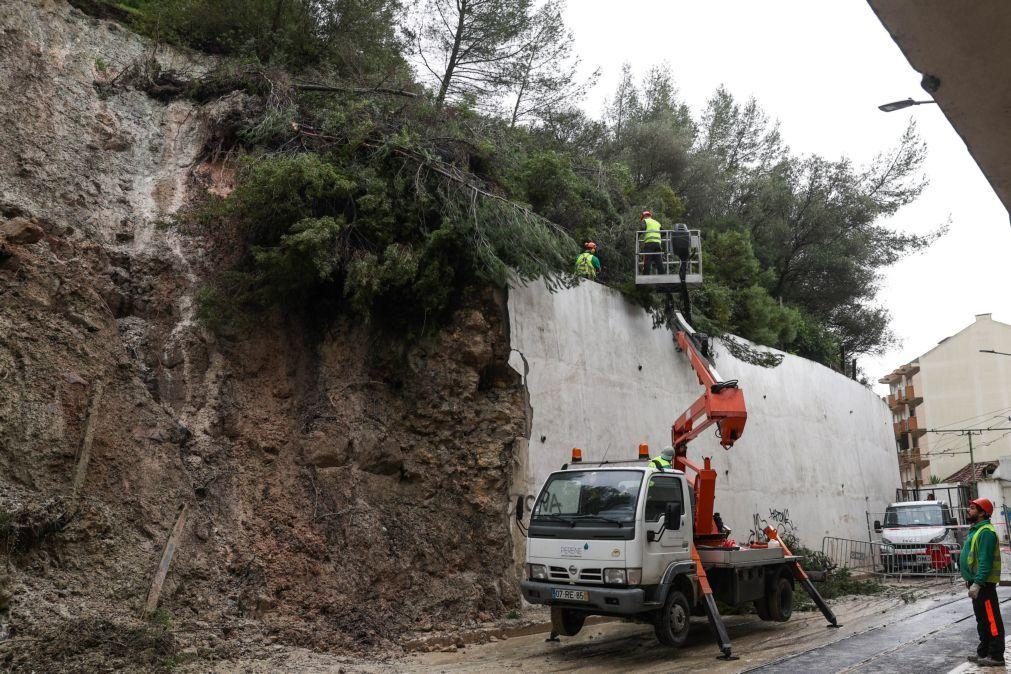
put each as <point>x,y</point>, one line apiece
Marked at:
<point>901,552</point>
<point>667,259</point>
<point>874,557</point>
<point>857,556</point>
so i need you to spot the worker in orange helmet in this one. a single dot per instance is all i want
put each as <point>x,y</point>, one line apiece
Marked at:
<point>652,262</point>
<point>587,264</point>
<point>979,564</point>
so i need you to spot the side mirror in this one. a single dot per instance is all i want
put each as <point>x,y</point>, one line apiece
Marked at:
<point>877,526</point>
<point>672,516</point>
<point>519,508</point>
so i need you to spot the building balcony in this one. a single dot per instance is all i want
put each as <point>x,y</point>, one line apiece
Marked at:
<point>909,369</point>
<point>912,426</point>
<point>894,404</point>
<point>890,378</point>
<point>910,398</point>
<point>913,458</point>
<point>899,427</point>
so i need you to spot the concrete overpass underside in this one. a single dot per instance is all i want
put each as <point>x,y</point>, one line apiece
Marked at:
<point>967,48</point>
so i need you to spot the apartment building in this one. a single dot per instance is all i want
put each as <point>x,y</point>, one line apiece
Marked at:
<point>962,384</point>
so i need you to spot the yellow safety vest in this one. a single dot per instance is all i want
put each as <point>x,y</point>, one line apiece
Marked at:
<point>652,234</point>
<point>584,266</point>
<point>973,563</point>
<point>664,463</point>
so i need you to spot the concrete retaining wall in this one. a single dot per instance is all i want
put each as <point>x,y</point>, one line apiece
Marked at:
<point>817,452</point>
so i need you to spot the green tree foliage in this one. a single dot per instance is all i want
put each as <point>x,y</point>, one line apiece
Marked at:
<point>794,245</point>
<point>350,37</point>
<point>468,46</point>
<point>327,229</point>
<point>542,81</point>
<point>373,200</point>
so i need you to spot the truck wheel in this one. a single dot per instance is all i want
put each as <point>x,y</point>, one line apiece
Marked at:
<point>779,601</point>
<point>672,624</point>
<point>566,622</point>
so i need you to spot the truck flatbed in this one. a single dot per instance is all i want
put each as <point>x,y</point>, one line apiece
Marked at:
<point>742,557</point>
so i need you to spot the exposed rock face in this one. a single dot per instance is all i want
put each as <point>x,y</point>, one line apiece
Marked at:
<point>343,488</point>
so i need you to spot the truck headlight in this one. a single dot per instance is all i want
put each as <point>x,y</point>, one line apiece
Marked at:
<point>537,572</point>
<point>614,576</point>
<point>885,541</point>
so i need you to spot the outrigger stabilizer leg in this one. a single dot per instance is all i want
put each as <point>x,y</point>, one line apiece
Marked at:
<point>805,582</point>
<point>709,602</point>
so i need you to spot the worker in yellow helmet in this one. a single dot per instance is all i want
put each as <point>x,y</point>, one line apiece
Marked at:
<point>652,258</point>
<point>587,264</point>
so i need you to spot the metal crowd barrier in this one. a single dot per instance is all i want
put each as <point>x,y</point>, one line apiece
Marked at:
<point>901,558</point>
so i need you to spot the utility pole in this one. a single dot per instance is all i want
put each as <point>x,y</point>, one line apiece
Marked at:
<point>969,432</point>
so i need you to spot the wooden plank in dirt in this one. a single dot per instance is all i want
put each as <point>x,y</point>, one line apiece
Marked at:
<point>89,436</point>
<point>166,559</point>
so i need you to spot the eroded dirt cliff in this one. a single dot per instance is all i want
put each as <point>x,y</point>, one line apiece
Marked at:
<point>344,490</point>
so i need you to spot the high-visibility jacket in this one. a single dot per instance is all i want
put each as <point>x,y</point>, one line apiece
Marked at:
<point>664,463</point>
<point>585,266</point>
<point>652,234</point>
<point>969,560</point>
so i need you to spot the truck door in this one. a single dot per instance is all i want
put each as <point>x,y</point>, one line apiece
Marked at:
<point>674,543</point>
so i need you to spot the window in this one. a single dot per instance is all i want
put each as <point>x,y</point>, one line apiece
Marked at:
<point>914,516</point>
<point>590,493</point>
<point>662,490</point>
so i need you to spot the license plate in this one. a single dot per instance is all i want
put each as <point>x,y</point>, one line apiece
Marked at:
<point>569,595</point>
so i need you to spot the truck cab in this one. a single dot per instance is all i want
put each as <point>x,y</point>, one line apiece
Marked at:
<point>618,541</point>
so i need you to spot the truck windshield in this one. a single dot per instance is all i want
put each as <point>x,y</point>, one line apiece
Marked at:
<point>914,516</point>
<point>589,496</point>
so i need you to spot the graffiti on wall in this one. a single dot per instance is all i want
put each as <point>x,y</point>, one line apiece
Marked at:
<point>778,520</point>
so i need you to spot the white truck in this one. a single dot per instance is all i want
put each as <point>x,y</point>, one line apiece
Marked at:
<point>642,541</point>
<point>617,541</point>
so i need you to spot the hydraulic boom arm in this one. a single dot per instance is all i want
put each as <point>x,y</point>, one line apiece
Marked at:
<point>721,403</point>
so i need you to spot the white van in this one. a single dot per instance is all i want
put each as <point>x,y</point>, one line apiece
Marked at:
<point>915,534</point>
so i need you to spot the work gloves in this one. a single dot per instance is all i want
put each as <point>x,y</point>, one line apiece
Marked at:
<point>974,590</point>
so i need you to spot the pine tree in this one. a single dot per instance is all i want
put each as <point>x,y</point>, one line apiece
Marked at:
<point>468,47</point>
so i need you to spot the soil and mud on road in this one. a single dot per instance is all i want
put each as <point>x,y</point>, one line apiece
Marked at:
<point>924,609</point>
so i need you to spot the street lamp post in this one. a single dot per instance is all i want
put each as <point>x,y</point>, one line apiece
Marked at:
<point>900,105</point>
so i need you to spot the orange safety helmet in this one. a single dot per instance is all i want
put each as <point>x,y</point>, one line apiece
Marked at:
<point>589,245</point>
<point>983,504</point>
<point>646,214</point>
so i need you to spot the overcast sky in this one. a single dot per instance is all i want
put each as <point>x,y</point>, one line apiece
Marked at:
<point>822,69</point>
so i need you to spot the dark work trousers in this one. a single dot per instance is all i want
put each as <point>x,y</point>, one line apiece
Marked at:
<point>989,624</point>
<point>683,256</point>
<point>652,262</point>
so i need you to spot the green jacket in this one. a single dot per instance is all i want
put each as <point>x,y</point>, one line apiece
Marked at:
<point>979,561</point>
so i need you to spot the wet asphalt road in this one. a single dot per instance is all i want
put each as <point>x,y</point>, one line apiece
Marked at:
<point>937,639</point>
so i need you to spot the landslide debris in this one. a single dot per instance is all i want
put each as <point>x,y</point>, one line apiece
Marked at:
<point>346,489</point>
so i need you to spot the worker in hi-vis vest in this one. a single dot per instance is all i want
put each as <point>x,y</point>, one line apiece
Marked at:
<point>652,262</point>
<point>979,564</point>
<point>664,460</point>
<point>587,264</point>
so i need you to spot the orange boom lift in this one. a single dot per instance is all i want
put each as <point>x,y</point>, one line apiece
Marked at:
<point>721,404</point>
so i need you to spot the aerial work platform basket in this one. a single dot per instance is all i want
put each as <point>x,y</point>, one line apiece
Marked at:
<point>662,270</point>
